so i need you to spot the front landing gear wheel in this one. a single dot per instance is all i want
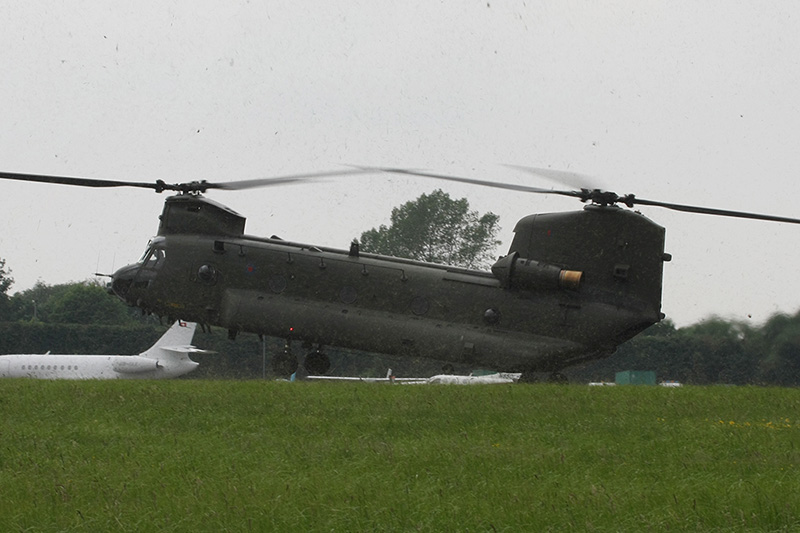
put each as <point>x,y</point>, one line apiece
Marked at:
<point>284,364</point>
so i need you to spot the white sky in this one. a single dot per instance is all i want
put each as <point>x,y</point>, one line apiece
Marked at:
<point>681,101</point>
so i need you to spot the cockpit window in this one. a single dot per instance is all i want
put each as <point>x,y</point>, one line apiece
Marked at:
<point>147,252</point>
<point>153,257</point>
<point>156,258</point>
<point>153,254</point>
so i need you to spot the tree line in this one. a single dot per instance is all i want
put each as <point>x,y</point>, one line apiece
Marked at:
<point>713,351</point>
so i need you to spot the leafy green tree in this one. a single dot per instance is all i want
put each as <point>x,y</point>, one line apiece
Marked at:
<point>34,304</point>
<point>5,284</point>
<point>721,351</point>
<point>87,303</point>
<point>779,347</point>
<point>437,229</point>
<point>712,351</point>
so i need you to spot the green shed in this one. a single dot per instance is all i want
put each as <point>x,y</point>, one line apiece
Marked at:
<point>635,377</point>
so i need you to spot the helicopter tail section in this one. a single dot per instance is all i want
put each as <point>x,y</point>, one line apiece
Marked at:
<point>608,261</point>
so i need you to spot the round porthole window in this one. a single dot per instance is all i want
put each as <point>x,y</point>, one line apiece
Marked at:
<point>277,283</point>
<point>420,305</point>
<point>348,294</point>
<point>491,316</point>
<point>207,273</point>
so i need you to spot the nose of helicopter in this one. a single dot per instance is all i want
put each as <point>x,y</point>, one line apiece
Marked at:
<point>121,282</point>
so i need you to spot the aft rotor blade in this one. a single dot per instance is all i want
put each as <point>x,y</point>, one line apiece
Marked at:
<point>709,210</point>
<point>485,183</point>
<point>604,198</point>
<point>573,179</point>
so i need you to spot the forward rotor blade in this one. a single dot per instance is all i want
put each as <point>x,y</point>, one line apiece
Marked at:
<point>710,210</point>
<point>193,186</point>
<point>485,183</point>
<point>282,180</point>
<point>82,182</point>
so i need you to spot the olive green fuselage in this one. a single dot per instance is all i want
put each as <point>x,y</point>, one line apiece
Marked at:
<point>510,322</point>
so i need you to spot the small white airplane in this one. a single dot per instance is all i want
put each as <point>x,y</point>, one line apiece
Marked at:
<point>498,378</point>
<point>167,358</point>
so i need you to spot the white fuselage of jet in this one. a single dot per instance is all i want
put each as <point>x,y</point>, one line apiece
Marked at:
<point>167,358</point>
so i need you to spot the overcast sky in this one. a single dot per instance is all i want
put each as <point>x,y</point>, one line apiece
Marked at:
<point>681,101</point>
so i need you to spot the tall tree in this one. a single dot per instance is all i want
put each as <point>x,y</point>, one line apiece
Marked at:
<point>87,303</point>
<point>5,284</point>
<point>779,348</point>
<point>437,229</point>
<point>721,351</point>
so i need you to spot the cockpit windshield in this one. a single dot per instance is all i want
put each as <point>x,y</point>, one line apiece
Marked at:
<point>154,255</point>
<point>146,253</point>
<point>155,258</point>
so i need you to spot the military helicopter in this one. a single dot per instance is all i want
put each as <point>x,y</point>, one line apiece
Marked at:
<point>572,287</point>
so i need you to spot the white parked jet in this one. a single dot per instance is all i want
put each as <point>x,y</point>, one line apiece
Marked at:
<point>167,358</point>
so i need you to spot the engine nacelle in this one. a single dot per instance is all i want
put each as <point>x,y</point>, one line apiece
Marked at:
<point>519,273</point>
<point>134,364</point>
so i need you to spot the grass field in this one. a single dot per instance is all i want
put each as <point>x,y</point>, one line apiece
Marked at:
<point>276,456</point>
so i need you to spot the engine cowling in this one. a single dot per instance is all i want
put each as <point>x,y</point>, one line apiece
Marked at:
<point>520,273</point>
<point>134,364</point>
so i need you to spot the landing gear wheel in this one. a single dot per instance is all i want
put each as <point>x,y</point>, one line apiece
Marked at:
<point>284,364</point>
<point>317,363</point>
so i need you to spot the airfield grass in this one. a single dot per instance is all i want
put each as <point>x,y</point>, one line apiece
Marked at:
<point>193,455</point>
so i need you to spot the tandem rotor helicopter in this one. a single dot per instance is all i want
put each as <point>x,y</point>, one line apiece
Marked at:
<point>573,286</point>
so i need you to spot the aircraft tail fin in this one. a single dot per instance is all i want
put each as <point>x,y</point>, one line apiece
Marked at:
<point>178,338</point>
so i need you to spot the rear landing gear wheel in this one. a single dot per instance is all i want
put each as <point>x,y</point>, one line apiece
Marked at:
<point>317,363</point>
